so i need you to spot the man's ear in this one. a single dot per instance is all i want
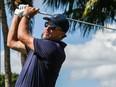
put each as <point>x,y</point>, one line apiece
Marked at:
<point>63,35</point>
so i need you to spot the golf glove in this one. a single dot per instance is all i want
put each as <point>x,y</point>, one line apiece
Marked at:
<point>19,11</point>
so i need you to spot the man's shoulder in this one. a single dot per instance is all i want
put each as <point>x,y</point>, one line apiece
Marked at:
<point>45,41</point>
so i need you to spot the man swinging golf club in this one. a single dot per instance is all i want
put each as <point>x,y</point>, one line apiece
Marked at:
<point>44,56</point>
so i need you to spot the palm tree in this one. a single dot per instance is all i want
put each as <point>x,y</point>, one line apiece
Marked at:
<point>6,49</point>
<point>23,59</point>
<point>0,11</point>
<point>0,28</point>
<point>100,12</point>
<point>12,5</point>
<point>0,14</point>
<point>0,20</point>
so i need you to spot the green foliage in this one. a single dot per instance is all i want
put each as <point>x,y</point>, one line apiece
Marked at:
<point>89,6</point>
<point>101,12</point>
<point>2,79</point>
<point>12,5</point>
<point>2,82</point>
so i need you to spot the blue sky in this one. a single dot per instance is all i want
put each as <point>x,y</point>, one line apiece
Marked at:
<point>90,61</point>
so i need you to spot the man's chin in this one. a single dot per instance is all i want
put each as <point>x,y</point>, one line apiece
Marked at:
<point>46,38</point>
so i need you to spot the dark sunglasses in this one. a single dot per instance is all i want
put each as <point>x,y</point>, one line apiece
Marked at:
<point>52,26</point>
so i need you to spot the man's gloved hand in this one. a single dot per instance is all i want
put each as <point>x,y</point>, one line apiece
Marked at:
<point>19,11</point>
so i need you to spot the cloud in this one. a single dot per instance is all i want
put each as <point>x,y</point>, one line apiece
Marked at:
<point>95,59</point>
<point>108,83</point>
<point>93,53</point>
<point>102,72</point>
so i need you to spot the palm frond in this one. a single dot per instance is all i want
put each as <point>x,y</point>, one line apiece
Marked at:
<point>56,4</point>
<point>100,12</point>
<point>12,5</point>
<point>89,7</point>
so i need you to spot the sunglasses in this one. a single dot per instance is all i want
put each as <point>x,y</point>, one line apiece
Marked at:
<point>52,26</point>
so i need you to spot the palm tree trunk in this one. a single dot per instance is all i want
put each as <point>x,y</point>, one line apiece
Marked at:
<point>6,49</point>
<point>23,59</point>
<point>0,10</point>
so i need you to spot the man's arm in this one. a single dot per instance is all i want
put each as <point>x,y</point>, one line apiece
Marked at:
<point>12,40</point>
<point>23,34</point>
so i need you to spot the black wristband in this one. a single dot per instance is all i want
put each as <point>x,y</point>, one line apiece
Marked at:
<point>26,15</point>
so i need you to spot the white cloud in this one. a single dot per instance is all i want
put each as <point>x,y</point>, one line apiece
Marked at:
<point>96,59</point>
<point>108,83</point>
<point>101,72</point>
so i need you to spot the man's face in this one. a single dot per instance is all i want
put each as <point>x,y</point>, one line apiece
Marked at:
<point>52,32</point>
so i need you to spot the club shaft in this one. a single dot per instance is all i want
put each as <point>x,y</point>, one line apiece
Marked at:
<point>91,24</point>
<point>44,13</point>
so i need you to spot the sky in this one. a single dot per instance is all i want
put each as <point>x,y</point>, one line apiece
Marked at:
<point>90,61</point>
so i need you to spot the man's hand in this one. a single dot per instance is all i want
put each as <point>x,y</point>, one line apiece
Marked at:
<point>30,11</point>
<point>19,11</point>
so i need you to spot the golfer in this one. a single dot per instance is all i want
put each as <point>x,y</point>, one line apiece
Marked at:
<point>45,56</point>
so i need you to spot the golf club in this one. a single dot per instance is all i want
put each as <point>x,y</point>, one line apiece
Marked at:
<point>44,13</point>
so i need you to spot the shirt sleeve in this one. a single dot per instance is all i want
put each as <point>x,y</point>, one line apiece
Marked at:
<point>44,48</point>
<point>39,49</point>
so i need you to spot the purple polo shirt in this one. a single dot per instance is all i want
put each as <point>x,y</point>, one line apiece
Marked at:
<point>42,66</point>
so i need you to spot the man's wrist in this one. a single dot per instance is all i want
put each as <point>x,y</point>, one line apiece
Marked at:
<point>17,16</point>
<point>26,15</point>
